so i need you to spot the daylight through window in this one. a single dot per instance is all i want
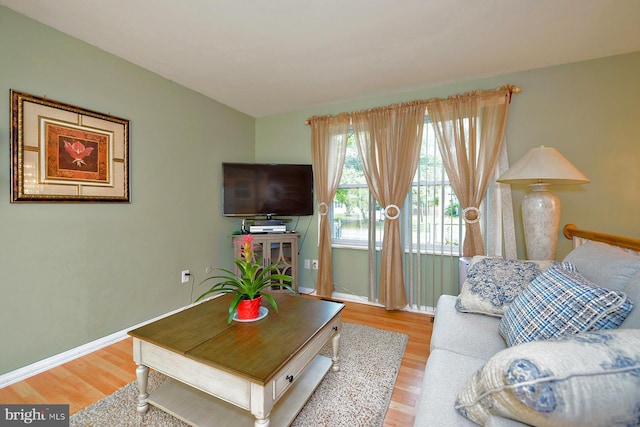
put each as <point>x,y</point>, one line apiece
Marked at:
<point>431,225</point>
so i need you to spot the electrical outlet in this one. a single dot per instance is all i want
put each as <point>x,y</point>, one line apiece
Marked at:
<point>185,276</point>
<point>307,264</point>
<point>314,264</point>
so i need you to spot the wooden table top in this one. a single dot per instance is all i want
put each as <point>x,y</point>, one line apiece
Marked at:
<point>256,350</point>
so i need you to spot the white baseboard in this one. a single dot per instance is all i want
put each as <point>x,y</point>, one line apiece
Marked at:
<point>25,372</point>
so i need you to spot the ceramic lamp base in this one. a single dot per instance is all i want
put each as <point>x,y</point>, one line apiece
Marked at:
<point>541,217</point>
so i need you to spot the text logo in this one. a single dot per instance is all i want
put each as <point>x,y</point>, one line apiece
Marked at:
<point>34,415</point>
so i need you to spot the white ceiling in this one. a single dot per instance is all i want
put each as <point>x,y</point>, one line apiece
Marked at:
<point>265,57</point>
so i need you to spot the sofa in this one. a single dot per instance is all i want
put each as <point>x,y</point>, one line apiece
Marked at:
<point>499,356</point>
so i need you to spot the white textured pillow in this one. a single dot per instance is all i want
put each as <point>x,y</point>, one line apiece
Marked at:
<point>586,379</point>
<point>493,283</point>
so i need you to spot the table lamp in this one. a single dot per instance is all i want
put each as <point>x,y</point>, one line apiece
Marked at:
<point>541,167</point>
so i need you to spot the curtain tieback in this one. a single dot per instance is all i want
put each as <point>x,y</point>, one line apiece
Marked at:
<point>386,212</point>
<point>465,211</point>
<point>323,208</point>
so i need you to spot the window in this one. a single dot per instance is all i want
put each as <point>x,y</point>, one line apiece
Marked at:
<point>432,224</point>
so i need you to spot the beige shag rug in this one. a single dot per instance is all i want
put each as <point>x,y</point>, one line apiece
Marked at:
<point>357,395</point>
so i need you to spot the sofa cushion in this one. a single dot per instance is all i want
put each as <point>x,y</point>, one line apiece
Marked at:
<point>632,289</point>
<point>444,376</point>
<point>577,380</point>
<point>560,301</point>
<point>605,265</point>
<point>492,283</point>
<point>470,334</point>
<point>495,421</point>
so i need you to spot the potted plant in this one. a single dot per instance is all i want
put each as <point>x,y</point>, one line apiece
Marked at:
<point>249,283</point>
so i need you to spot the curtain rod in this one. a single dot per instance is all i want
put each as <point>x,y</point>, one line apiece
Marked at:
<point>511,88</point>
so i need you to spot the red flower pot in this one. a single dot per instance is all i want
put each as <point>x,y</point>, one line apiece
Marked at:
<point>249,308</point>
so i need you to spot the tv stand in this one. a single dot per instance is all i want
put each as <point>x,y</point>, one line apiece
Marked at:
<point>280,248</point>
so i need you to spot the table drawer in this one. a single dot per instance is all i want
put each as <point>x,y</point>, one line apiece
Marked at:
<point>291,372</point>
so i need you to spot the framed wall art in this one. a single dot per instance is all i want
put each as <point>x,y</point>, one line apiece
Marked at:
<point>62,153</point>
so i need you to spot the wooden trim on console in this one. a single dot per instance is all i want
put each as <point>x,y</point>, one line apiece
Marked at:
<point>570,231</point>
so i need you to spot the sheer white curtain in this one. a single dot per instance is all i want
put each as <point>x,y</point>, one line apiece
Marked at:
<point>500,224</point>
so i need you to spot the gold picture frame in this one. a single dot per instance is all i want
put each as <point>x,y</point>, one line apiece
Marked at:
<point>63,153</point>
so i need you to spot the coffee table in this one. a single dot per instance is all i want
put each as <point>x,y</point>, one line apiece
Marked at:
<point>243,374</point>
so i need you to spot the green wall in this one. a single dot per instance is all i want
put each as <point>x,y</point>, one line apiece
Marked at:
<point>73,273</point>
<point>588,110</point>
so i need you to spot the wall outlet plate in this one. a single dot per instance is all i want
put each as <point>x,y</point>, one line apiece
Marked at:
<point>185,276</point>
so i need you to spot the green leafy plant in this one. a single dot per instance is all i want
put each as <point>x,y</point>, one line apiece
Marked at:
<point>250,281</point>
<point>453,209</point>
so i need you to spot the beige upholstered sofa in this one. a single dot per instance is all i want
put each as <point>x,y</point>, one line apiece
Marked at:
<point>572,378</point>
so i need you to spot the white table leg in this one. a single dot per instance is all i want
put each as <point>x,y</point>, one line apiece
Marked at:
<point>262,422</point>
<point>142,374</point>
<point>335,342</point>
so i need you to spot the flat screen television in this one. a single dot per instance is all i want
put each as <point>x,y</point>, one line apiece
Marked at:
<point>261,189</point>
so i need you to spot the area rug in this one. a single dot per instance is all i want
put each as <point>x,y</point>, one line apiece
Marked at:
<point>357,395</point>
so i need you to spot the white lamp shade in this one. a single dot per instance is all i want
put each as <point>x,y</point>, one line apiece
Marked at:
<point>543,164</point>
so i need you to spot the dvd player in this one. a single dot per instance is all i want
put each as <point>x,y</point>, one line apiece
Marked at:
<point>281,228</point>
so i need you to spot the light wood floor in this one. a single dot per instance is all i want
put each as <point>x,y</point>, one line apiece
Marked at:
<point>88,379</point>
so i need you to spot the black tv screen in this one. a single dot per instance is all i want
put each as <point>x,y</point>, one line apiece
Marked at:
<point>260,189</point>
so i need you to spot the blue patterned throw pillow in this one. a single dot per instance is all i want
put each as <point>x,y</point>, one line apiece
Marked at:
<point>493,283</point>
<point>589,379</point>
<point>558,302</point>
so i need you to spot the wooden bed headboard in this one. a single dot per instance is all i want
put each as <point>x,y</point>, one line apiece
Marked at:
<point>574,233</point>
